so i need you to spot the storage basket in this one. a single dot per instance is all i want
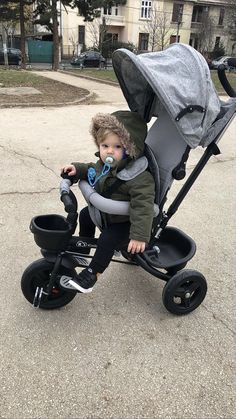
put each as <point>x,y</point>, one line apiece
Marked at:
<point>174,248</point>
<point>51,232</point>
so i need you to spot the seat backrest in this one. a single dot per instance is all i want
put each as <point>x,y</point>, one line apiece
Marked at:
<point>167,148</point>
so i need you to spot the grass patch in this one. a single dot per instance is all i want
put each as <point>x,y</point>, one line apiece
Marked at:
<point>17,78</point>
<point>230,76</point>
<point>14,78</point>
<point>51,91</point>
<point>107,75</point>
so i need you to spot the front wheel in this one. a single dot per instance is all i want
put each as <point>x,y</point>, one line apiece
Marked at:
<point>37,275</point>
<point>184,292</point>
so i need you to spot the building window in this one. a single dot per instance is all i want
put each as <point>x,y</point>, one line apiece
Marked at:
<point>143,41</point>
<point>177,12</point>
<point>111,37</point>
<point>109,10</point>
<point>193,41</point>
<point>81,35</point>
<point>146,7</point>
<point>221,17</point>
<point>197,13</point>
<point>116,9</point>
<point>174,38</point>
<point>217,42</point>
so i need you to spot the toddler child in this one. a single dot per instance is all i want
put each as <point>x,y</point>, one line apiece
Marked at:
<point>120,139</point>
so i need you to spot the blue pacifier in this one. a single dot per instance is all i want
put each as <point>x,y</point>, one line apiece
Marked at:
<point>109,160</point>
<point>92,178</point>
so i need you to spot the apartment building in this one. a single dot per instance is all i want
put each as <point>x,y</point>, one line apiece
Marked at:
<point>151,25</point>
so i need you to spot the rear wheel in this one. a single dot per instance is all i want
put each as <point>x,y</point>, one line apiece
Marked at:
<point>184,292</point>
<point>37,276</point>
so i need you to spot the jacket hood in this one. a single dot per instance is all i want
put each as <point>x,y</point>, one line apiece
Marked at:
<point>129,126</point>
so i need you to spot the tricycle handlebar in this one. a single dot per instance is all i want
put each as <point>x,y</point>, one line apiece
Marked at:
<point>67,196</point>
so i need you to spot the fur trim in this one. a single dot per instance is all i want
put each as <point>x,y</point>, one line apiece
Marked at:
<point>110,122</point>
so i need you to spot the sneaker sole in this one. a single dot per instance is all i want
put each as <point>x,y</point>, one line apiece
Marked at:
<point>79,288</point>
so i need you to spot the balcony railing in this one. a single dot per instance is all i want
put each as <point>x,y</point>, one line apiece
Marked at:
<point>114,20</point>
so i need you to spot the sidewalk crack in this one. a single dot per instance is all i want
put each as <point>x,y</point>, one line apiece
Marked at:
<point>219,319</point>
<point>20,154</point>
<point>28,193</point>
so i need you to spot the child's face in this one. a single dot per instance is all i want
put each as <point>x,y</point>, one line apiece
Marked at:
<point>111,146</point>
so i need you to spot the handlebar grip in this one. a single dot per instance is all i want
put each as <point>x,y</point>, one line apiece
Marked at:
<point>68,203</point>
<point>65,175</point>
<point>232,62</point>
<point>224,81</point>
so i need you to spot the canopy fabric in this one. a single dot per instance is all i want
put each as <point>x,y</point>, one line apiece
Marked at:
<point>175,79</point>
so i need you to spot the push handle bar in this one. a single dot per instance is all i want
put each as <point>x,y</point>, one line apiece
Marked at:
<point>223,79</point>
<point>67,196</point>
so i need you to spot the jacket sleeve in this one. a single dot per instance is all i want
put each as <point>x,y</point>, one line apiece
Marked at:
<point>81,170</point>
<point>142,193</point>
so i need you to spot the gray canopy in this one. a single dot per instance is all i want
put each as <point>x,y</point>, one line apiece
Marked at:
<point>177,79</point>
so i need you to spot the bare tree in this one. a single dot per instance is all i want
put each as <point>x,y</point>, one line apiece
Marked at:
<point>165,30</point>
<point>97,30</point>
<point>159,29</point>
<point>22,33</point>
<point>205,34</point>
<point>231,23</point>
<point>73,40</point>
<point>93,30</point>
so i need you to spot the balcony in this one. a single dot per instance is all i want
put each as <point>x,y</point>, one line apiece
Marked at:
<point>196,25</point>
<point>113,20</point>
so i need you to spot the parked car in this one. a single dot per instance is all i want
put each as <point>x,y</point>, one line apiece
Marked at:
<point>220,60</point>
<point>89,59</point>
<point>14,56</point>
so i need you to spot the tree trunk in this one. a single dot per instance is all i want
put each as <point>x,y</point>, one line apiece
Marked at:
<point>4,39</point>
<point>55,65</point>
<point>22,35</point>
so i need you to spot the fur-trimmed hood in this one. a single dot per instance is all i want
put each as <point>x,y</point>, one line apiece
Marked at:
<point>129,126</point>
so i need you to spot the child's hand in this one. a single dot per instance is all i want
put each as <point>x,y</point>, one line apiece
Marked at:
<point>69,169</point>
<point>136,246</point>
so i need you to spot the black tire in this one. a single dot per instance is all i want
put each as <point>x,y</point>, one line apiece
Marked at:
<point>37,274</point>
<point>184,292</point>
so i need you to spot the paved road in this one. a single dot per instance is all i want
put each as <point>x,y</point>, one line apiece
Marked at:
<point>116,353</point>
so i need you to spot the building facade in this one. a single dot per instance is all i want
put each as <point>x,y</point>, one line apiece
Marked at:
<point>151,25</point>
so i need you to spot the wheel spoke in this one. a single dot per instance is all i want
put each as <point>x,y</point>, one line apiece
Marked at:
<point>193,287</point>
<point>186,302</point>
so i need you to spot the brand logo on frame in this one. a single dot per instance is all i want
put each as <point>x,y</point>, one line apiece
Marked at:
<point>80,243</point>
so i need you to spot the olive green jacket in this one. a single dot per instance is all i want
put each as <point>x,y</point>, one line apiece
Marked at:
<point>139,191</point>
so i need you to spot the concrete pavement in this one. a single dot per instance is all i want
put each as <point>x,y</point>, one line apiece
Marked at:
<point>116,353</point>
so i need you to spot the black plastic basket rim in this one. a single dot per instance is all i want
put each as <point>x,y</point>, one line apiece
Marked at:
<point>35,228</point>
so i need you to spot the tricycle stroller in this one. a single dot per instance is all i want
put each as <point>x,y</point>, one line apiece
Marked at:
<point>175,87</point>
